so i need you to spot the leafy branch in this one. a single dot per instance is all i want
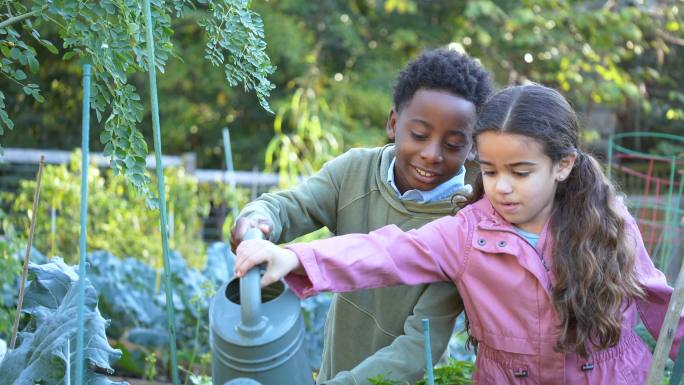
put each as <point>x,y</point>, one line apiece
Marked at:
<point>110,35</point>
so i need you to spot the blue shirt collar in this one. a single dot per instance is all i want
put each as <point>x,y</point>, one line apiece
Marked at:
<point>532,238</point>
<point>444,190</point>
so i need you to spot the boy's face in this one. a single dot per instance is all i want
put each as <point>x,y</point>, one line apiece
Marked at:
<point>433,137</point>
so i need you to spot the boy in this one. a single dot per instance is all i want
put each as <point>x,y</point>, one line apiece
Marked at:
<point>408,183</point>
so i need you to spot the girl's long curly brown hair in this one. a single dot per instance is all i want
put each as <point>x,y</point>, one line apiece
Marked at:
<point>593,261</point>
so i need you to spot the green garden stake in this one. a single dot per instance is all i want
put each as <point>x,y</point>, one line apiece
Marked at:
<point>164,227</point>
<point>228,153</point>
<point>231,171</point>
<point>53,230</point>
<point>67,374</point>
<point>85,149</point>
<point>428,353</point>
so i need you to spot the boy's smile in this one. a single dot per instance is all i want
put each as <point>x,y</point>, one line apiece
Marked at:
<point>432,134</point>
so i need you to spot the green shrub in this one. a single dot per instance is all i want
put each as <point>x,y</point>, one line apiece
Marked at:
<point>453,373</point>
<point>10,269</point>
<point>118,220</point>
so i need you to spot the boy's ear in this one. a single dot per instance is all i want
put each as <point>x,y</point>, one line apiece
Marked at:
<point>391,126</point>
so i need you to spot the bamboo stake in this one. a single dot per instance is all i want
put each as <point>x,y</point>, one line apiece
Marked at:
<point>24,273</point>
<point>667,332</point>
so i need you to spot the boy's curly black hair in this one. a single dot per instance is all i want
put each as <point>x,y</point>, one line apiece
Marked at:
<point>444,70</point>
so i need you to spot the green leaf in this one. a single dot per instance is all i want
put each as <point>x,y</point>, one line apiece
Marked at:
<point>33,63</point>
<point>15,53</point>
<point>49,341</point>
<point>47,44</point>
<point>105,136</point>
<point>5,119</point>
<point>130,161</point>
<point>19,75</point>
<point>108,150</point>
<point>68,55</point>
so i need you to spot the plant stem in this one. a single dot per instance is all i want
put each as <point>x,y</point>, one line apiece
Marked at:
<point>196,344</point>
<point>20,302</point>
<point>19,18</point>
<point>9,9</point>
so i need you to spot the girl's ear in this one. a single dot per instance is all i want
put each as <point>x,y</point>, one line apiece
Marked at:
<point>391,126</point>
<point>564,166</point>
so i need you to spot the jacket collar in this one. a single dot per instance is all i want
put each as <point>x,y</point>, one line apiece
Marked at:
<point>538,259</point>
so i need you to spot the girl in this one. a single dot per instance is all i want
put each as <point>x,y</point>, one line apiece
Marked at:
<point>551,267</point>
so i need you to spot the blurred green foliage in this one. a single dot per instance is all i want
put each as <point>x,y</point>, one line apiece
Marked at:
<point>301,144</point>
<point>625,56</point>
<point>117,221</point>
<point>10,269</point>
<point>453,373</point>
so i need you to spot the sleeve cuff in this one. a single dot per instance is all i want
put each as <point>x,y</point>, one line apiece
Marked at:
<point>310,284</point>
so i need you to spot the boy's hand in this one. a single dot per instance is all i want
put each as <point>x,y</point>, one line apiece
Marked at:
<point>279,261</point>
<point>237,233</point>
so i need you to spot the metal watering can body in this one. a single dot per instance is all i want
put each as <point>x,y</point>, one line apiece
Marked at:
<point>257,335</point>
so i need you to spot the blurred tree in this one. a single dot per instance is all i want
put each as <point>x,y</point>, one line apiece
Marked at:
<point>614,53</point>
<point>623,55</point>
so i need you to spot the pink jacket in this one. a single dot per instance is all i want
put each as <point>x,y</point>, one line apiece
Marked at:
<point>506,290</point>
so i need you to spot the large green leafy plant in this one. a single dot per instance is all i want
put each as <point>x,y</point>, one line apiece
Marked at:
<point>110,34</point>
<point>46,354</point>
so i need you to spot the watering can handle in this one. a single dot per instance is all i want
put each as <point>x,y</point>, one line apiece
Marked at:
<point>252,321</point>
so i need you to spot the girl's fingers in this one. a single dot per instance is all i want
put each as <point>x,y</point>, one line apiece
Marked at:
<point>268,279</point>
<point>279,262</point>
<point>249,254</point>
<point>250,263</point>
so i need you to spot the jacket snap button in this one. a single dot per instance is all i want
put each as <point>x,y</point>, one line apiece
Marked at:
<point>481,242</point>
<point>501,243</point>
<point>587,367</point>
<point>520,373</point>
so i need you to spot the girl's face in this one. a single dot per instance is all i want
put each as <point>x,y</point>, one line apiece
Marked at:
<point>519,179</point>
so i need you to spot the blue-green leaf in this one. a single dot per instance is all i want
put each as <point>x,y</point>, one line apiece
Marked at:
<point>48,343</point>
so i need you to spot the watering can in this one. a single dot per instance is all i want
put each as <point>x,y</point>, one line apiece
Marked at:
<point>257,335</point>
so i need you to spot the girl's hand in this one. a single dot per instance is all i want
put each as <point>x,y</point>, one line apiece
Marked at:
<point>279,261</point>
<point>237,233</point>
